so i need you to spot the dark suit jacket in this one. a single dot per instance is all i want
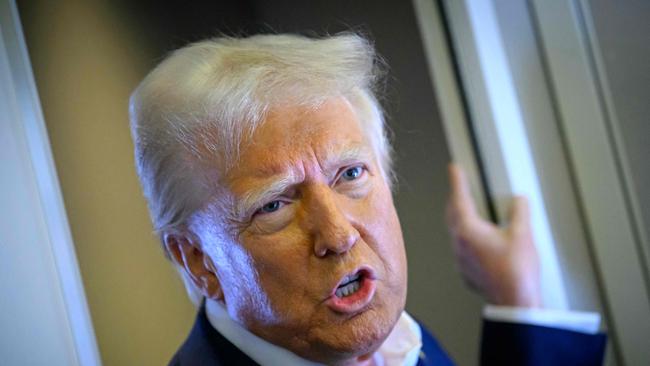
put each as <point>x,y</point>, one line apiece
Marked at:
<point>502,344</point>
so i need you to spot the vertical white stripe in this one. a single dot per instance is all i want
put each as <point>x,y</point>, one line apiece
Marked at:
<point>56,281</point>
<point>513,141</point>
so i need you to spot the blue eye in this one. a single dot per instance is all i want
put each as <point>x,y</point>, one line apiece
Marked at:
<point>352,173</point>
<point>271,207</point>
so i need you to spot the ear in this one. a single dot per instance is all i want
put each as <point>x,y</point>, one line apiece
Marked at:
<point>196,264</point>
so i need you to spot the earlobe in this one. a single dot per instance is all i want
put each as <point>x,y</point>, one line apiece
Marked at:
<point>213,286</point>
<point>197,265</point>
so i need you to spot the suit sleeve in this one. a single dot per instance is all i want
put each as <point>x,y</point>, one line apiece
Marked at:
<point>505,343</point>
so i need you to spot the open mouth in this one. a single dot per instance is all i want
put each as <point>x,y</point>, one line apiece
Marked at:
<point>354,292</point>
<point>349,285</point>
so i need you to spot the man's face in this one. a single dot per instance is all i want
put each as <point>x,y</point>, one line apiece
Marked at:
<point>317,264</point>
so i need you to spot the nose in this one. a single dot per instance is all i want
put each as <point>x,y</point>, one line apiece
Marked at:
<point>333,229</point>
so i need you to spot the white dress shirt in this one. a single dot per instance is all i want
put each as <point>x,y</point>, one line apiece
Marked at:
<point>402,347</point>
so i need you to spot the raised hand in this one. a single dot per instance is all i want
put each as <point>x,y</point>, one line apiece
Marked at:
<point>500,263</point>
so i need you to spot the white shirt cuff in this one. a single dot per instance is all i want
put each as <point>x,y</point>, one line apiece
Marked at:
<point>577,321</point>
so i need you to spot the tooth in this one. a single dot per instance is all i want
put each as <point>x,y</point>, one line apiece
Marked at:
<point>349,288</point>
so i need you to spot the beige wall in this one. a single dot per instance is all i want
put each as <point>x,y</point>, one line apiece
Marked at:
<point>86,62</point>
<point>621,33</point>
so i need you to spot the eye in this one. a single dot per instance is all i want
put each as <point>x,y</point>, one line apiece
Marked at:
<point>352,173</point>
<point>270,207</point>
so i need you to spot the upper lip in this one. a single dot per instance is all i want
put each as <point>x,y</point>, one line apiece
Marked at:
<point>362,271</point>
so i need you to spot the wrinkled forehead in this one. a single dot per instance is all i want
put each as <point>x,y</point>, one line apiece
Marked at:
<point>295,142</point>
<point>325,132</point>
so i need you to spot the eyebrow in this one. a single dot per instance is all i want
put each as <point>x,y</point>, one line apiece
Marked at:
<point>277,184</point>
<point>273,187</point>
<point>350,154</point>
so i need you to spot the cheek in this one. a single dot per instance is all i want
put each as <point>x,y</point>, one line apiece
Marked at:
<point>380,215</point>
<point>280,268</point>
<point>282,261</point>
<point>244,295</point>
<point>385,233</point>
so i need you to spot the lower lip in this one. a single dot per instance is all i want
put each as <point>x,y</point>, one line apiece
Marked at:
<point>355,302</point>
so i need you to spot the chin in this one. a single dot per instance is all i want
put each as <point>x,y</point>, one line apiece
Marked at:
<point>356,337</point>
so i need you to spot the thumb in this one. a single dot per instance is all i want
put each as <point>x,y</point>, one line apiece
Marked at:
<point>520,215</point>
<point>461,204</point>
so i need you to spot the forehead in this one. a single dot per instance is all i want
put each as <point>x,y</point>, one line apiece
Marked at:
<point>292,135</point>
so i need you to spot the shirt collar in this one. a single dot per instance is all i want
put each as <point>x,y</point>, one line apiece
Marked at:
<point>402,347</point>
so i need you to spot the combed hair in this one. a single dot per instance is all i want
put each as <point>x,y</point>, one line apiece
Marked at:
<point>204,100</point>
